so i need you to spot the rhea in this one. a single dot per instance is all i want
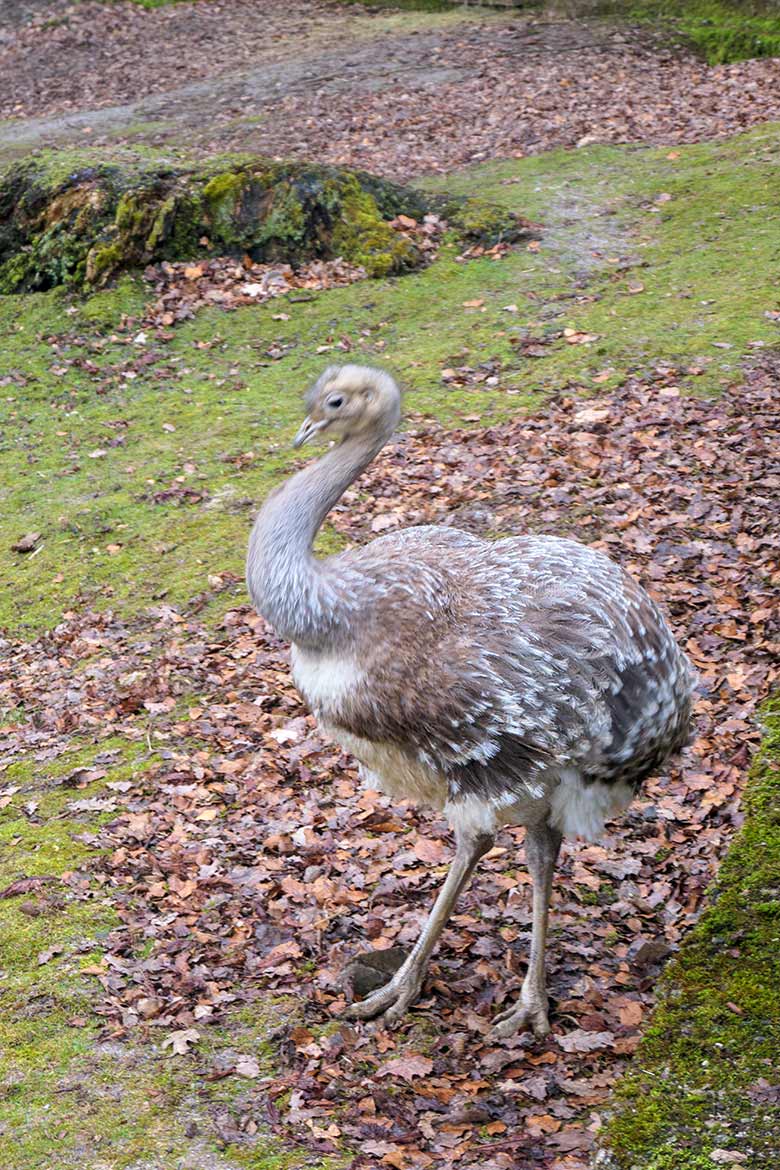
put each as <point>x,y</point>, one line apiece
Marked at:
<point>526,681</point>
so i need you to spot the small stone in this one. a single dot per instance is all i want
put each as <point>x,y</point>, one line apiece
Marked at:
<point>727,1157</point>
<point>645,951</point>
<point>26,543</point>
<point>373,969</point>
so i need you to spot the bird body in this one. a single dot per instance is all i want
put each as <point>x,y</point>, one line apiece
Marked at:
<point>521,681</point>
<point>515,684</point>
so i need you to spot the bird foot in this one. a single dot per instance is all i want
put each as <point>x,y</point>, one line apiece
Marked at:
<point>523,1016</point>
<point>390,1001</point>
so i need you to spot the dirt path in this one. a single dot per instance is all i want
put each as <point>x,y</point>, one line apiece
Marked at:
<point>400,94</point>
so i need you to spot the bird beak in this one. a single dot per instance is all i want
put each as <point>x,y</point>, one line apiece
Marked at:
<point>309,428</point>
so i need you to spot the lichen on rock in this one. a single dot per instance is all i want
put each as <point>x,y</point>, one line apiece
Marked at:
<point>82,217</point>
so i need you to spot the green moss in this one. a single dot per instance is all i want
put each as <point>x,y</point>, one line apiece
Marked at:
<point>221,195</point>
<point>85,219</point>
<point>481,222</point>
<point>715,1035</point>
<point>102,261</point>
<point>82,219</point>
<point>284,232</point>
<point>362,236</point>
<point>722,31</point>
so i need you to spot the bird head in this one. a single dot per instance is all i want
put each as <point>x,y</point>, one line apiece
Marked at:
<point>349,402</point>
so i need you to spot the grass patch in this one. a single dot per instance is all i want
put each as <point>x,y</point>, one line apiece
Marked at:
<point>720,32</point>
<point>140,462</point>
<point>702,1079</point>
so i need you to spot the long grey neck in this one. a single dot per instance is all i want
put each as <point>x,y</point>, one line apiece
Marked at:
<point>307,601</point>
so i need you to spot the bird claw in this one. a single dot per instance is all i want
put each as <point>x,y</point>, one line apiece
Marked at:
<point>521,1017</point>
<point>390,1001</point>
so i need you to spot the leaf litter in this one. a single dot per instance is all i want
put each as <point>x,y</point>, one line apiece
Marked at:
<point>182,287</point>
<point>304,79</point>
<point>245,860</point>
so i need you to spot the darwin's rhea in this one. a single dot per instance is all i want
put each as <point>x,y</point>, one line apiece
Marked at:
<point>526,681</point>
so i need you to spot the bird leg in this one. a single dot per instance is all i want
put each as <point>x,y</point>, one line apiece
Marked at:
<point>542,844</point>
<point>403,989</point>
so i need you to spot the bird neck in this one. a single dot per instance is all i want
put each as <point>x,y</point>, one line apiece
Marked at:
<point>295,592</point>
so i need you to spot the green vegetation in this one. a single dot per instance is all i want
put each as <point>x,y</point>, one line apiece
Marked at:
<point>81,217</point>
<point>706,1075</point>
<point>720,31</point>
<point>139,460</point>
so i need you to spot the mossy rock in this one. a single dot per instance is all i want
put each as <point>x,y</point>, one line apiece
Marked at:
<point>480,222</point>
<point>82,217</point>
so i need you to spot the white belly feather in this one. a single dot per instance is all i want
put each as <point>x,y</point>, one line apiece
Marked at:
<point>325,681</point>
<point>576,808</point>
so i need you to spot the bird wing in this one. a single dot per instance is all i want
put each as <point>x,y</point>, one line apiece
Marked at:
<point>490,663</point>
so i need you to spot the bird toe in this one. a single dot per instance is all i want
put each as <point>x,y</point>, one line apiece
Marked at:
<point>372,1005</point>
<point>397,1011</point>
<point>521,1018</point>
<point>390,1001</point>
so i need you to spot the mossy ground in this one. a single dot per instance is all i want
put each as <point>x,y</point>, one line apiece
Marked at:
<point>721,31</point>
<point>90,435</point>
<point>656,254</point>
<point>699,1081</point>
<point>81,218</point>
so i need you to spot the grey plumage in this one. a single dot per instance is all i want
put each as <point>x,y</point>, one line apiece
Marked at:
<point>527,681</point>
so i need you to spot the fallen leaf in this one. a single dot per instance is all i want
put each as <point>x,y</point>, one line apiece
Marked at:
<point>46,956</point>
<point>247,1066</point>
<point>26,885</point>
<point>581,1041</point>
<point>179,1042</point>
<point>407,1067</point>
<point>26,543</point>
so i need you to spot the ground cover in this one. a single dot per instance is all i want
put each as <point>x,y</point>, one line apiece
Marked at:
<point>133,449</point>
<point>705,1076</point>
<point>155,1010</point>
<point>721,32</point>
<point>150,733</point>
<point>397,93</point>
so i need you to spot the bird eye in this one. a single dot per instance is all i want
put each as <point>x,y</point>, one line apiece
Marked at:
<point>335,402</point>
